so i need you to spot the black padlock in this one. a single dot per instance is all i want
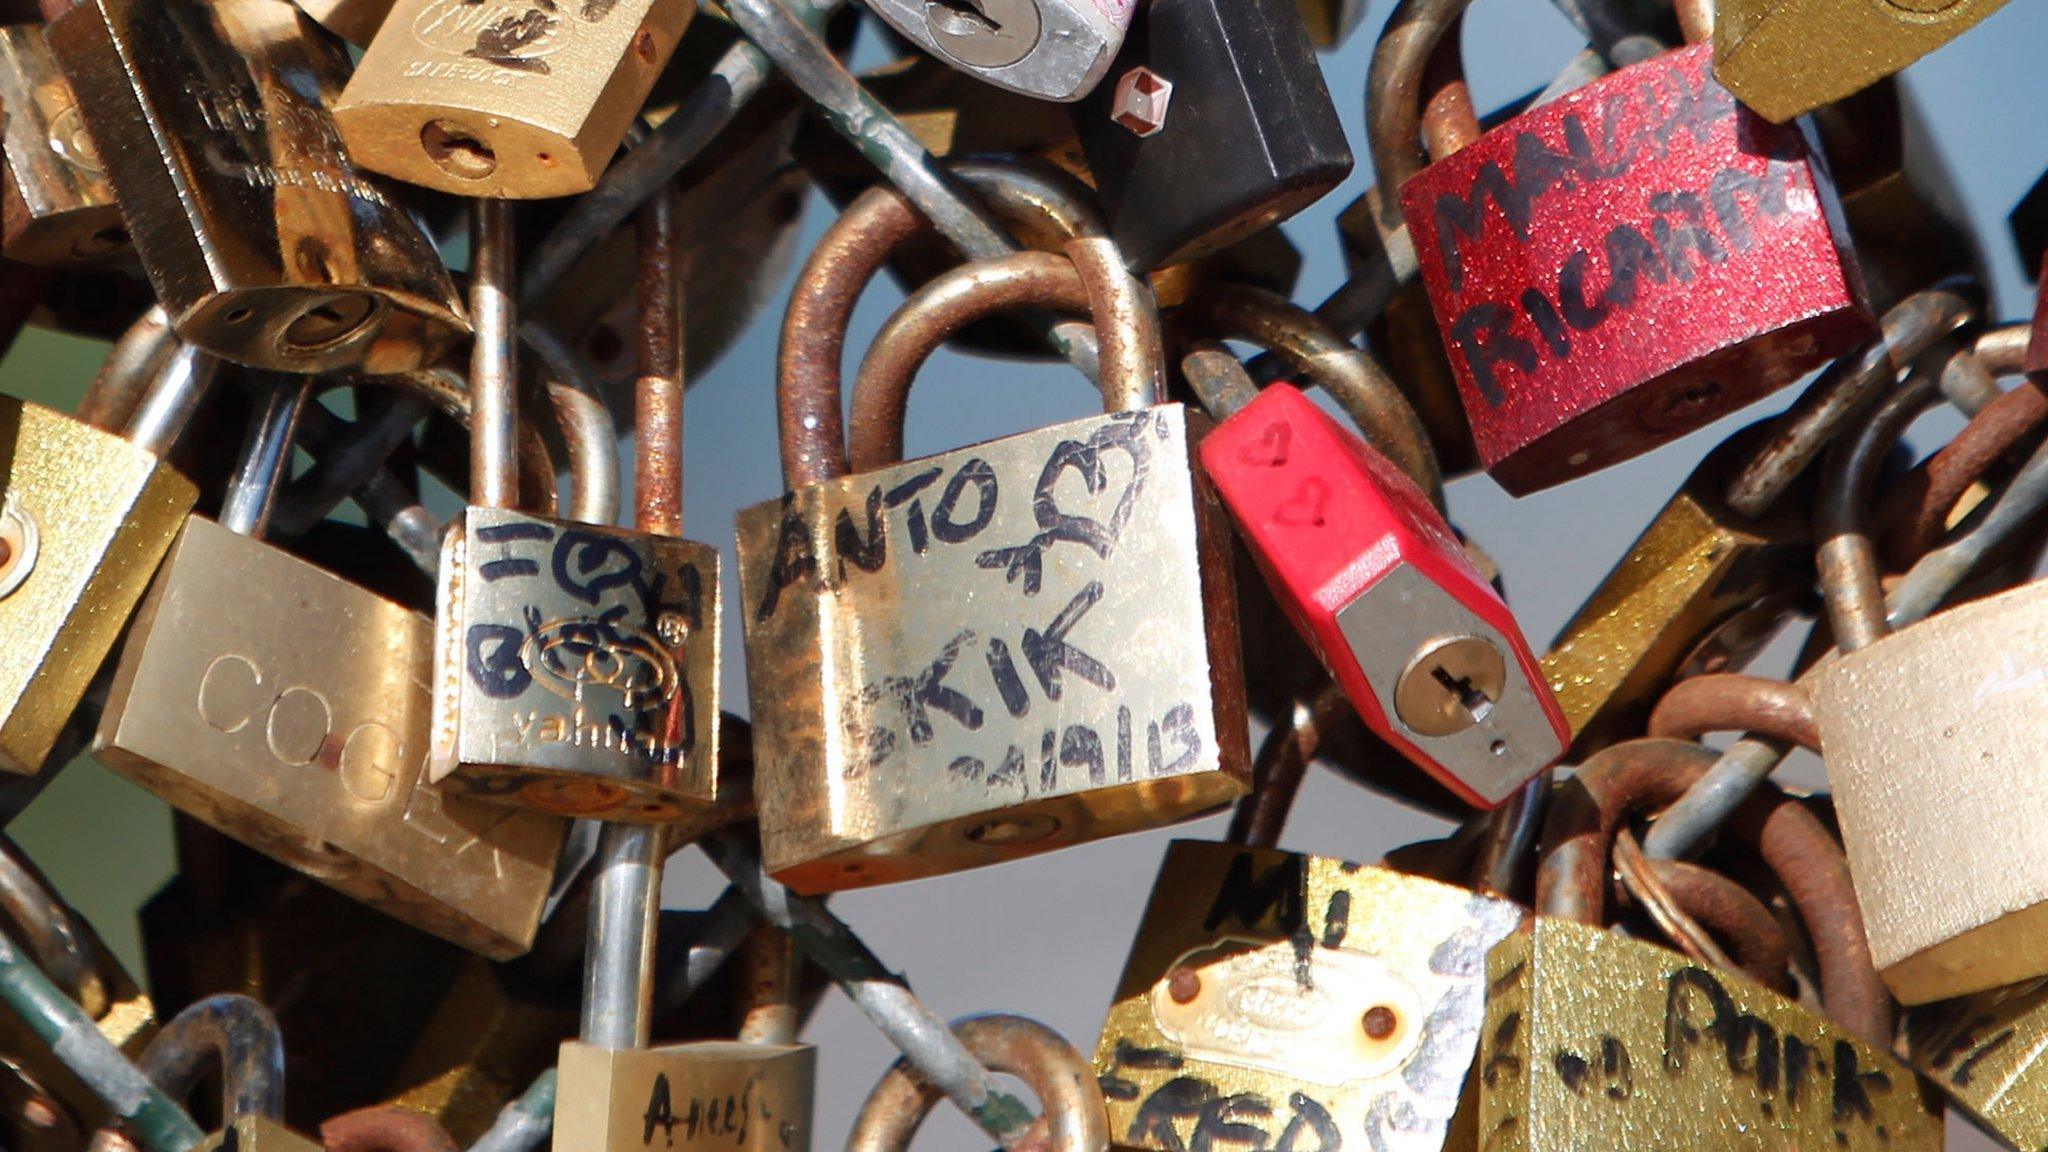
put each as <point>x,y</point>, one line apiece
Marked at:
<point>1213,124</point>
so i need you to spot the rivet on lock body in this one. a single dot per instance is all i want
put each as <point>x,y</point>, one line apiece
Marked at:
<point>1373,577</point>
<point>79,558</point>
<point>576,665</point>
<point>1599,293</point>
<point>993,651</point>
<point>58,207</point>
<point>262,240</point>
<point>298,723</point>
<point>505,98</point>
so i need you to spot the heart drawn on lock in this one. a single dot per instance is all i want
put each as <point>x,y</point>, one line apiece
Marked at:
<point>1131,435</point>
<point>1306,508</point>
<point>1272,448</point>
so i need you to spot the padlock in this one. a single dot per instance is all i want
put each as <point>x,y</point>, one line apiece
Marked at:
<point>576,664</point>
<point>355,21</point>
<point>1786,59</point>
<point>352,988</point>
<point>77,560</point>
<point>47,1107</point>
<point>1017,1046</point>
<point>56,206</point>
<point>298,724</point>
<point>263,241</point>
<point>1213,124</point>
<point>1595,1040</point>
<point>505,98</point>
<point>1046,49</point>
<point>1984,1053</point>
<point>236,1039</point>
<point>1297,1000</point>
<point>1067,667</point>
<point>1373,577</point>
<point>1593,263</point>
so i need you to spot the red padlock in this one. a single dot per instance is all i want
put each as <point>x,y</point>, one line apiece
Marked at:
<point>1373,578</point>
<point>1618,267</point>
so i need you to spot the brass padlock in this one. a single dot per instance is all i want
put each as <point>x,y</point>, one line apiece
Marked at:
<point>262,240</point>
<point>963,659</point>
<point>505,98</point>
<point>56,206</point>
<point>355,21</point>
<point>576,664</point>
<point>1788,57</point>
<point>1984,1053</point>
<point>1303,1001</point>
<point>47,1108</point>
<point>78,556</point>
<point>1595,1040</point>
<point>298,724</point>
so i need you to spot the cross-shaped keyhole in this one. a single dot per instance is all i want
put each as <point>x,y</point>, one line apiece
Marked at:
<point>1472,699</point>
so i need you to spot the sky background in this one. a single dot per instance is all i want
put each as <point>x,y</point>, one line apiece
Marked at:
<point>1048,937</point>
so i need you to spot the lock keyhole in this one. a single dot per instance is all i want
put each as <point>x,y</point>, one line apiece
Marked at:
<point>961,18</point>
<point>983,33</point>
<point>1452,683</point>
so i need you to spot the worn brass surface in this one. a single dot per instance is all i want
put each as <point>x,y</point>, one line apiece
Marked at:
<point>355,21</point>
<point>288,708</point>
<point>1592,1040</point>
<point>991,652</point>
<point>1985,1053</point>
<point>57,207</point>
<point>714,1094</point>
<point>262,240</point>
<point>482,1045</point>
<point>508,98</point>
<point>104,512</point>
<point>1694,569</point>
<point>1787,57</point>
<point>1932,737</point>
<point>576,668</point>
<point>1337,1002</point>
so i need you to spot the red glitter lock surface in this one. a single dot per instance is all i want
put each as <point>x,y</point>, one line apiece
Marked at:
<point>1326,516</point>
<point>1628,263</point>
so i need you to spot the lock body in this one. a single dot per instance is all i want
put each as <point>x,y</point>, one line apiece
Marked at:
<point>296,722</point>
<point>57,207</point>
<point>1922,745</point>
<point>261,239</point>
<point>1247,138</point>
<point>1984,1053</point>
<point>1628,263</point>
<point>505,98</point>
<point>86,516</point>
<point>1296,995</point>
<point>992,652</point>
<point>1373,578</point>
<point>1785,58</point>
<point>1700,572</point>
<point>576,668</point>
<point>709,1094</point>
<point>1592,1040</point>
<point>1045,49</point>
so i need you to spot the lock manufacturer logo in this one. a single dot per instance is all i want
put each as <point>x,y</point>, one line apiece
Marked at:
<point>512,35</point>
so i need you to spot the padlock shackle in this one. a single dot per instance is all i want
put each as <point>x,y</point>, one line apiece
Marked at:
<point>128,368</point>
<point>1283,759</point>
<point>493,358</point>
<point>1736,702</point>
<point>1915,508</point>
<point>183,378</point>
<point>1089,279</point>
<point>1347,372</point>
<point>47,927</point>
<point>231,1034</point>
<point>767,1002</point>
<point>658,384</point>
<point>1731,917</point>
<point>384,1128</point>
<point>266,453</point>
<point>1075,1117</point>
<point>1643,775</point>
<point>808,388</point>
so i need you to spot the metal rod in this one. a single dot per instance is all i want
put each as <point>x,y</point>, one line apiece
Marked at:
<point>881,995</point>
<point>618,986</point>
<point>156,1120</point>
<point>524,1124</point>
<point>493,363</point>
<point>179,389</point>
<point>267,458</point>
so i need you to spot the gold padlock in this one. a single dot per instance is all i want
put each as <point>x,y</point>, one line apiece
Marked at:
<point>262,240</point>
<point>355,21</point>
<point>1310,1002</point>
<point>951,667</point>
<point>85,516</point>
<point>1785,58</point>
<point>576,665</point>
<point>505,98</point>
<point>1985,1054</point>
<point>298,724</point>
<point>58,207</point>
<point>1595,1040</point>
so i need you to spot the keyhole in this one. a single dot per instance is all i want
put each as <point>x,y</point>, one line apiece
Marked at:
<point>1474,701</point>
<point>961,18</point>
